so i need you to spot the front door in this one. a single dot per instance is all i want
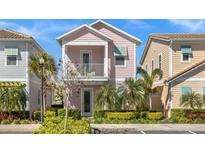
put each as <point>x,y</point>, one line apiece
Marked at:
<point>86,100</point>
<point>86,62</point>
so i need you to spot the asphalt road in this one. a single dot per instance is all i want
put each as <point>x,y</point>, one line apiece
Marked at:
<point>148,128</point>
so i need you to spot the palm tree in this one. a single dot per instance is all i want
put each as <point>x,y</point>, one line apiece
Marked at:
<point>120,98</point>
<point>148,83</point>
<point>49,72</point>
<point>105,97</point>
<point>134,93</point>
<point>12,99</point>
<point>192,100</point>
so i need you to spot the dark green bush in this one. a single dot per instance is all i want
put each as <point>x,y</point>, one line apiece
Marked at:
<point>73,113</point>
<point>99,114</point>
<point>37,115</point>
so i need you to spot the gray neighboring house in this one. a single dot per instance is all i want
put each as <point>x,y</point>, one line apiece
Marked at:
<point>15,51</point>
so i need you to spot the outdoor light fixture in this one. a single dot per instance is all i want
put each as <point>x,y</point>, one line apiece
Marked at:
<point>42,101</point>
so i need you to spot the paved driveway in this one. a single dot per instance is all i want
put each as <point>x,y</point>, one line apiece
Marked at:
<point>18,129</point>
<point>148,128</point>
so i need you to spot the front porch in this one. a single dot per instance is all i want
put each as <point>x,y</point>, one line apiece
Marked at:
<point>91,61</point>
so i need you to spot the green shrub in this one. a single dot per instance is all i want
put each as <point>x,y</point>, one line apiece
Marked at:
<point>154,115</point>
<point>120,115</point>
<point>5,122</point>
<point>16,121</point>
<point>25,121</point>
<point>73,113</point>
<point>55,125</point>
<point>99,114</point>
<point>143,115</point>
<point>50,114</point>
<point>37,115</point>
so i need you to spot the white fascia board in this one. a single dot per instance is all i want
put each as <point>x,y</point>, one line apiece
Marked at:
<point>13,80</point>
<point>117,29</point>
<point>89,28</point>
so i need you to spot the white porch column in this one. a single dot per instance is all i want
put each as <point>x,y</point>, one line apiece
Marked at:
<point>106,60</point>
<point>63,58</point>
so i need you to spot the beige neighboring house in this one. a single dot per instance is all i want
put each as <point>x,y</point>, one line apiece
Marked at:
<point>181,57</point>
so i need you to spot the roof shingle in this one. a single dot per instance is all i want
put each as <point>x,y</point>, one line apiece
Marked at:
<point>177,35</point>
<point>9,34</point>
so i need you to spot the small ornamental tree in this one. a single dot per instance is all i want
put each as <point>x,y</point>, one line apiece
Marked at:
<point>70,82</point>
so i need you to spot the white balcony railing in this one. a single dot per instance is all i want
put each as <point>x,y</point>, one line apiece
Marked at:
<point>90,69</point>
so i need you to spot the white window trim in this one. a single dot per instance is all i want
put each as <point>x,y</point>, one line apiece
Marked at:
<point>91,104</point>
<point>185,61</point>
<point>86,51</point>
<point>17,62</point>
<point>121,66</point>
<point>161,60</point>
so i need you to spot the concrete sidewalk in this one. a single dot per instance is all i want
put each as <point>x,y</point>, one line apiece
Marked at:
<point>100,128</point>
<point>18,128</point>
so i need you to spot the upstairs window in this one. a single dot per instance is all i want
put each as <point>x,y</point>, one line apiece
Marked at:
<point>119,60</point>
<point>11,54</point>
<point>11,60</point>
<point>146,67</point>
<point>152,65</point>
<point>186,53</point>
<point>120,54</point>
<point>160,62</point>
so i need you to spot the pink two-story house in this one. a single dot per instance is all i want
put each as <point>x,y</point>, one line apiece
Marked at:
<point>102,52</point>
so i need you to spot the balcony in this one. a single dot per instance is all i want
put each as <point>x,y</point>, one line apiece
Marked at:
<point>90,71</point>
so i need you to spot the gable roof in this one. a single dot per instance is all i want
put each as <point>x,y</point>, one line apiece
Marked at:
<point>10,34</point>
<point>7,34</point>
<point>169,37</point>
<point>137,40</point>
<point>187,70</point>
<point>88,28</point>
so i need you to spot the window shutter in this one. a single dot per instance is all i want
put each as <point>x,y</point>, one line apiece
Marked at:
<point>186,49</point>
<point>11,51</point>
<point>120,50</point>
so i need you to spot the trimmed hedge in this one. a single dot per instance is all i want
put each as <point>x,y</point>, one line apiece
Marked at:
<point>154,115</point>
<point>120,115</point>
<point>73,113</point>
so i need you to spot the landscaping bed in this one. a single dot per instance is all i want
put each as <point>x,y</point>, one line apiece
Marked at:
<point>130,117</point>
<point>178,116</point>
<point>55,120</point>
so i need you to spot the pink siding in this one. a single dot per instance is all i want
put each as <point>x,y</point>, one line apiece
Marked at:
<point>73,52</point>
<point>75,99</point>
<point>83,36</point>
<point>119,40</point>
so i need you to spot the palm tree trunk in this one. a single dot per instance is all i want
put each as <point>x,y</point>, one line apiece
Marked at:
<point>150,101</point>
